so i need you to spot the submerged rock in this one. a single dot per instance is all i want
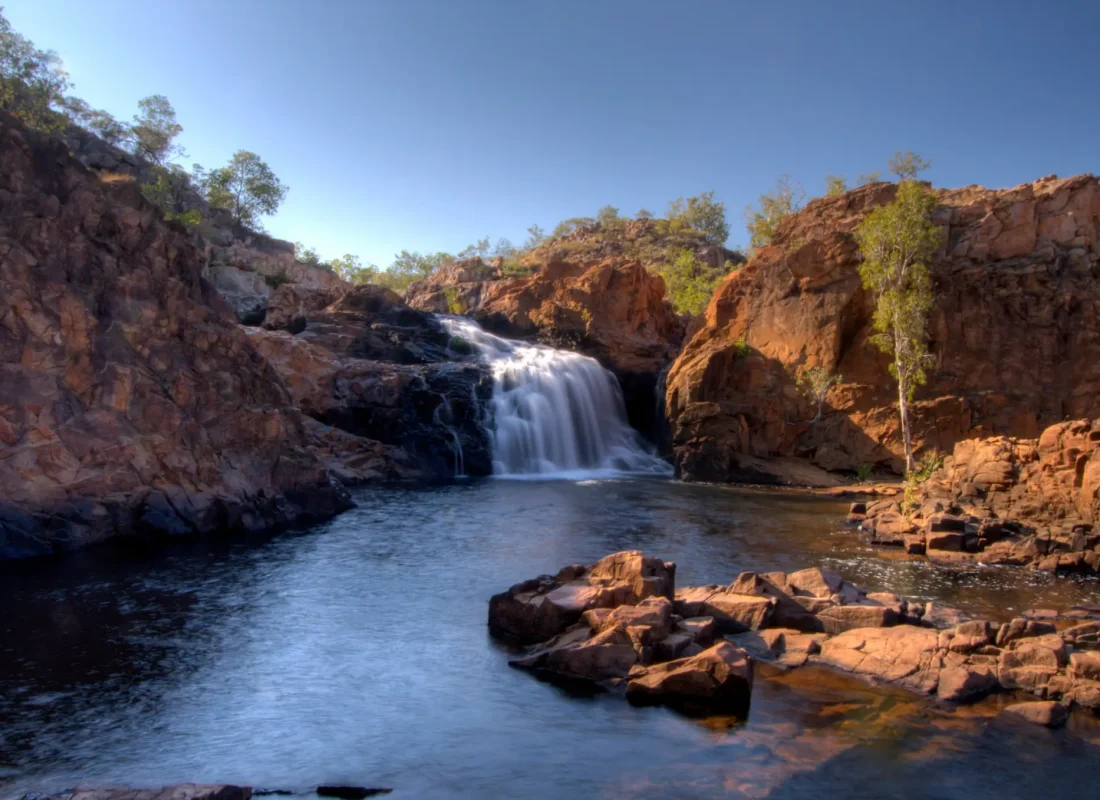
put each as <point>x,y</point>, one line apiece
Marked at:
<point>1041,712</point>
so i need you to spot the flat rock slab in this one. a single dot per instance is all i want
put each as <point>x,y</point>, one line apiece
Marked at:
<point>1045,712</point>
<point>904,655</point>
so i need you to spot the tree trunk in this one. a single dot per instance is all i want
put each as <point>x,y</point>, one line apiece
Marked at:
<point>903,410</point>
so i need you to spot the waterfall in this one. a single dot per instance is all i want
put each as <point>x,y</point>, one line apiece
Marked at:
<point>555,412</point>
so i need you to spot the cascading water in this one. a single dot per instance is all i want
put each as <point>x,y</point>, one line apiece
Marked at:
<point>555,412</point>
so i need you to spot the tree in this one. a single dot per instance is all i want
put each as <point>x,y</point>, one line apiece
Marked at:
<point>155,129</point>
<point>897,241</point>
<point>307,255</point>
<point>608,215</point>
<point>690,282</point>
<point>815,383</point>
<point>644,214</point>
<point>32,81</point>
<point>874,176</point>
<point>835,184</point>
<point>907,165</point>
<point>701,213</point>
<point>535,237</point>
<point>480,249</point>
<point>246,188</point>
<point>169,192</point>
<point>351,269</point>
<point>763,222</point>
<point>503,248</point>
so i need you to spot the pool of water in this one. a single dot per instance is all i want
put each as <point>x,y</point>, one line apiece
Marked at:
<point>357,652</point>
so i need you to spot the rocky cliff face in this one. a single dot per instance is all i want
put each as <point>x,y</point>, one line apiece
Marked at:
<point>1006,501</point>
<point>1015,332</point>
<point>129,403</point>
<point>383,374</point>
<point>611,309</point>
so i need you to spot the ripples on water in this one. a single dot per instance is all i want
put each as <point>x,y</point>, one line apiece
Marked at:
<point>357,652</point>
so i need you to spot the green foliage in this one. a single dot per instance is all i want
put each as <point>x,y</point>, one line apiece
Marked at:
<point>763,222</point>
<point>307,255</point>
<point>741,349</point>
<point>690,282</point>
<point>503,248</point>
<point>567,226</point>
<point>835,184</point>
<point>535,237</point>
<point>454,302</point>
<point>351,269</point>
<point>930,461</point>
<point>32,81</point>
<point>608,215</point>
<point>907,165</point>
<point>874,176</point>
<point>864,473</point>
<point>154,130</point>
<point>169,193</point>
<point>246,188</point>
<point>643,214</point>
<point>275,281</point>
<point>815,383</point>
<point>896,242</point>
<point>460,346</point>
<point>700,213</point>
<point>480,248</point>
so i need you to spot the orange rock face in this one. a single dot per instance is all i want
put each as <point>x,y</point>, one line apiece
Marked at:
<point>1015,333</point>
<point>612,310</point>
<point>128,403</point>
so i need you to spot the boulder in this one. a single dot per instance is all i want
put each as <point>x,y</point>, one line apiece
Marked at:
<point>719,678</point>
<point>538,609</point>
<point>904,655</point>
<point>731,611</point>
<point>1043,712</point>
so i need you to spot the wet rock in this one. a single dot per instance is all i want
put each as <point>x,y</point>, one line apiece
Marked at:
<point>902,655</point>
<point>536,610</point>
<point>579,657</point>
<point>1045,712</point>
<point>183,791</point>
<point>719,678</point>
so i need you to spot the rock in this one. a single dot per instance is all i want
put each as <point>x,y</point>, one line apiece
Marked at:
<point>993,279</point>
<point>731,611</point>
<point>937,615</point>
<point>350,792</point>
<point>965,683</point>
<point>845,618</point>
<point>1020,628</point>
<point>183,791</point>
<point>718,678</point>
<point>246,292</point>
<point>1044,712</point>
<point>1085,666</point>
<point>605,656</point>
<point>538,609</point>
<point>130,403</point>
<point>904,655</point>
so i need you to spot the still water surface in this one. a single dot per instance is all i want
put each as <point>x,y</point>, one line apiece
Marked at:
<point>357,652</point>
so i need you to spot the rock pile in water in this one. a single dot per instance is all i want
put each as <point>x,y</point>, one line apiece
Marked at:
<point>1004,501</point>
<point>621,624</point>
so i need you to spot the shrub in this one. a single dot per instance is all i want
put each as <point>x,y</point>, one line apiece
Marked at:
<point>763,222</point>
<point>689,282</point>
<point>815,383</point>
<point>864,473</point>
<point>701,213</point>
<point>835,184</point>
<point>454,302</point>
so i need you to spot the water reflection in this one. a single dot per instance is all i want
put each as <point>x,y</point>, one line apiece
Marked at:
<point>357,653</point>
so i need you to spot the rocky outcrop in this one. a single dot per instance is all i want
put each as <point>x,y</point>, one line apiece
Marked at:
<point>1017,261</point>
<point>612,310</point>
<point>362,362</point>
<point>129,404</point>
<point>1006,501</point>
<point>611,626</point>
<point>242,264</point>
<point>183,791</point>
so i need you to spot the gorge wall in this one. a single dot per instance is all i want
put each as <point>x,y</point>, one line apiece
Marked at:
<point>130,401</point>
<point>1015,332</point>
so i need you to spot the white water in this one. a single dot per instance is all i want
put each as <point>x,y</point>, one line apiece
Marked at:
<point>555,413</point>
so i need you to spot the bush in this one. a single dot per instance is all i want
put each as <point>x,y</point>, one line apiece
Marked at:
<point>689,282</point>
<point>835,184</point>
<point>246,187</point>
<point>701,213</point>
<point>763,223</point>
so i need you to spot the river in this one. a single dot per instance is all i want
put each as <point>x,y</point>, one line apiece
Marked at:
<point>357,652</point>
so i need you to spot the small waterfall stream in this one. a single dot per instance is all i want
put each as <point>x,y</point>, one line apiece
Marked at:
<point>555,412</point>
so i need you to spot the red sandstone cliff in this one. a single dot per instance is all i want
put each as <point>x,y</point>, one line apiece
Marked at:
<point>129,403</point>
<point>1015,332</point>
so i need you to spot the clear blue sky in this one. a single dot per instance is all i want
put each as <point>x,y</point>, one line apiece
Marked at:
<point>426,124</point>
